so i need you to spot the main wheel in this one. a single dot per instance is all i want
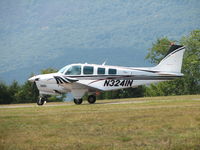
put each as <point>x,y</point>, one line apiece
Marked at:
<point>78,101</point>
<point>41,101</point>
<point>91,99</point>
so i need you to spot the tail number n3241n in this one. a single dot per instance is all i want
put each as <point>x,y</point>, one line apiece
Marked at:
<point>118,82</point>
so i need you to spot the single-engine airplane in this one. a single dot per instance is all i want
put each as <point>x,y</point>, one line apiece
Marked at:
<point>91,78</point>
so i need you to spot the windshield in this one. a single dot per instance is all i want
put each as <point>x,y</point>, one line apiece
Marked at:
<point>74,70</point>
<point>62,70</point>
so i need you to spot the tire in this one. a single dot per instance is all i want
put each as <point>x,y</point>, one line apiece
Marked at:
<point>41,101</point>
<point>78,101</point>
<point>91,99</point>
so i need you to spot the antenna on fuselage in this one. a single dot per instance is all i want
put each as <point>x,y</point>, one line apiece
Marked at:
<point>104,62</point>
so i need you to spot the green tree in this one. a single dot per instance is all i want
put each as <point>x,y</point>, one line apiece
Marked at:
<point>48,70</point>
<point>13,89</point>
<point>123,93</point>
<point>158,50</point>
<point>191,64</point>
<point>190,83</point>
<point>133,92</point>
<point>28,93</point>
<point>5,97</point>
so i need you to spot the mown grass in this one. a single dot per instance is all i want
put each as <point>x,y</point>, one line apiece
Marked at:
<point>159,123</point>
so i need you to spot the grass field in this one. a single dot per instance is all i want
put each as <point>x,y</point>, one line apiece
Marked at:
<point>159,123</point>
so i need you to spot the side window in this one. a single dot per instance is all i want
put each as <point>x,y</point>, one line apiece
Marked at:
<point>74,70</point>
<point>88,70</point>
<point>112,71</point>
<point>101,71</point>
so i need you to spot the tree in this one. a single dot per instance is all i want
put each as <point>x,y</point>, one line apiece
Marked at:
<point>133,92</point>
<point>190,83</point>
<point>123,93</point>
<point>28,93</point>
<point>48,70</point>
<point>191,64</point>
<point>13,89</point>
<point>158,50</point>
<point>5,97</point>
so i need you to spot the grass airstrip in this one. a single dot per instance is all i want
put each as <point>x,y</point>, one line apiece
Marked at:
<point>159,123</point>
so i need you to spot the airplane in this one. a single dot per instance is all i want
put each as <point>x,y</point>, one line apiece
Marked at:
<point>80,79</point>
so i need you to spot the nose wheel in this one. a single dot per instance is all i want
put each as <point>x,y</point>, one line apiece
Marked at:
<point>41,101</point>
<point>78,101</point>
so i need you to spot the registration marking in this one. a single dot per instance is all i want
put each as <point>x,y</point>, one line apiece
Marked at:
<point>121,83</point>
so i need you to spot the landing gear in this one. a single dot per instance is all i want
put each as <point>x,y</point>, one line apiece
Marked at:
<point>91,99</point>
<point>41,101</point>
<point>78,101</point>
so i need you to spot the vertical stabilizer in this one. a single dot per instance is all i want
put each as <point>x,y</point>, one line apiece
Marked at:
<point>172,62</point>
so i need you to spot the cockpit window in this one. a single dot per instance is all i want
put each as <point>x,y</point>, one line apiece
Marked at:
<point>88,70</point>
<point>74,70</point>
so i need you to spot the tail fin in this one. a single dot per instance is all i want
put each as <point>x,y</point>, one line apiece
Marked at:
<point>172,62</point>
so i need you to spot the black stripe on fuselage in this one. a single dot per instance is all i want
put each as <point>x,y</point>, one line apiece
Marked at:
<point>60,80</point>
<point>140,78</point>
<point>134,77</point>
<point>152,71</point>
<point>70,80</point>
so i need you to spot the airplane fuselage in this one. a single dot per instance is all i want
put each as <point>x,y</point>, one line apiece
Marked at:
<point>99,77</point>
<point>90,78</point>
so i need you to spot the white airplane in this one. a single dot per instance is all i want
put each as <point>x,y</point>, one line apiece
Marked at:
<point>91,78</point>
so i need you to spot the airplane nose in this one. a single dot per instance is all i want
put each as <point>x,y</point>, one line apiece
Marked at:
<point>33,79</point>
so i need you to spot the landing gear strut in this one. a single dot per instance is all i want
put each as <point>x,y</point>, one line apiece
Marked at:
<point>91,99</point>
<point>41,101</point>
<point>78,101</point>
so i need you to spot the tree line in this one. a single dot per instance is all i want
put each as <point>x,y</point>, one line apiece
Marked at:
<point>25,93</point>
<point>188,84</point>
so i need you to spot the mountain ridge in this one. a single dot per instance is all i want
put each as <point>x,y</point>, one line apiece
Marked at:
<point>42,33</point>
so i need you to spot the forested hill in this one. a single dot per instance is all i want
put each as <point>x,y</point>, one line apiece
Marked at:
<point>38,34</point>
